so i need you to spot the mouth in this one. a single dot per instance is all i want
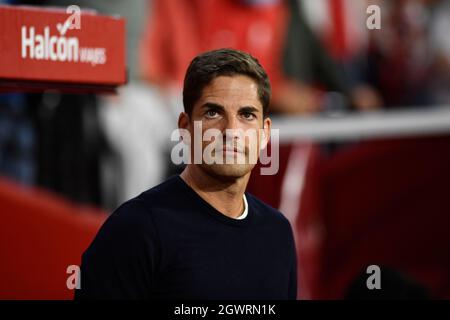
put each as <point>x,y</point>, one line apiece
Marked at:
<point>232,151</point>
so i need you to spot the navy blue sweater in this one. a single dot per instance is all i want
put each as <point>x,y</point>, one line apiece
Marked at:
<point>169,243</point>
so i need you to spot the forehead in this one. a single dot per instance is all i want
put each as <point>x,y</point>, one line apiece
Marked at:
<point>236,90</point>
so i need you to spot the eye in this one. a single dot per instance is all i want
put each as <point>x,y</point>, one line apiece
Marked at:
<point>211,114</point>
<point>248,115</point>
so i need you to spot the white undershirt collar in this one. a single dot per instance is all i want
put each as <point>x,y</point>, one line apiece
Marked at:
<point>245,213</point>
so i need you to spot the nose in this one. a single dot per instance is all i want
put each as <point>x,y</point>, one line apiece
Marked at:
<point>231,130</point>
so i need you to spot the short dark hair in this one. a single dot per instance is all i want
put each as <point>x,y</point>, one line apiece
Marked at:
<point>207,66</point>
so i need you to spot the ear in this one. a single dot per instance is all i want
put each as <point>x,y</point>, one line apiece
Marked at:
<point>183,121</point>
<point>265,138</point>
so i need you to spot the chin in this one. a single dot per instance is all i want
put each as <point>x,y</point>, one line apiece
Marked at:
<point>229,171</point>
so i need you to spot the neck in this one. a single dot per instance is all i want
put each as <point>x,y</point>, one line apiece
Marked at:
<point>226,196</point>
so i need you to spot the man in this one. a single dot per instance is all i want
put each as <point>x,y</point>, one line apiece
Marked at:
<point>199,235</point>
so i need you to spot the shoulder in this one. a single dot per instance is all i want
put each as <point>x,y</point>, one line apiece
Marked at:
<point>141,209</point>
<point>267,212</point>
<point>145,209</point>
<point>129,222</point>
<point>273,221</point>
<point>162,195</point>
<point>137,215</point>
<point>129,230</point>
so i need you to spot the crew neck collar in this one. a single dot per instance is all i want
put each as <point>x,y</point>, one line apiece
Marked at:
<point>213,211</point>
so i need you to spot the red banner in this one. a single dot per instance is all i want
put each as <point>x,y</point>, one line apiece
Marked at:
<point>61,46</point>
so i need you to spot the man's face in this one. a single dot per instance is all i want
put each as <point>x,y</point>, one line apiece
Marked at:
<point>230,105</point>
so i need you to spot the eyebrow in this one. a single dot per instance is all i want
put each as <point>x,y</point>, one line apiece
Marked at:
<point>249,109</point>
<point>218,107</point>
<point>213,106</point>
